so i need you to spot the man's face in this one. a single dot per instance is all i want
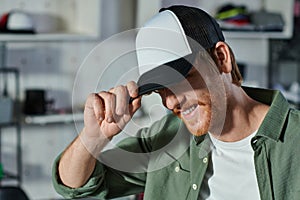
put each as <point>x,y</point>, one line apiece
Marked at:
<point>190,100</point>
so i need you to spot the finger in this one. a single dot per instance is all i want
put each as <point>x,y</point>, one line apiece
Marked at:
<point>89,101</point>
<point>122,97</point>
<point>98,107</point>
<point>135,100</point>
<point>94,110</point>
<point>132,89</point>
<point>109,105</point>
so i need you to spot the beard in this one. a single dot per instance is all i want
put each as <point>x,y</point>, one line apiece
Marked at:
<point>200,123</point>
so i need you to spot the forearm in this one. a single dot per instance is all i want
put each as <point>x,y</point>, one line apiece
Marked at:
<point>78,161</point>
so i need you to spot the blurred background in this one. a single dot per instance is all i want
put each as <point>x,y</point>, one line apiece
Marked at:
<point>43,44</point>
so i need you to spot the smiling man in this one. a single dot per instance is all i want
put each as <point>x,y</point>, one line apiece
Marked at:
<point>221,140</point>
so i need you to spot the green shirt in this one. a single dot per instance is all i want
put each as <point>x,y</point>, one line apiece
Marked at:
<point>176,162</point>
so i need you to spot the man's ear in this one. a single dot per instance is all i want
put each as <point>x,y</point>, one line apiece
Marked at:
<point>223,57</point>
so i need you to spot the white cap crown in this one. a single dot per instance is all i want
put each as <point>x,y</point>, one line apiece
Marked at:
<point>161,40</point>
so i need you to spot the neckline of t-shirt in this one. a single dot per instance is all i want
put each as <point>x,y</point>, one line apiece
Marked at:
<point>230,145</point>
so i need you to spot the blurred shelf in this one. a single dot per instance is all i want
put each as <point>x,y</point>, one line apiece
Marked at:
<point>53,22</point>
<point>46,37</point>
<point>53,118</point>
<point>255,35</point>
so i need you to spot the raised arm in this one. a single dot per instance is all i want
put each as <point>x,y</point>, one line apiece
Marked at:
<point>105,115</point>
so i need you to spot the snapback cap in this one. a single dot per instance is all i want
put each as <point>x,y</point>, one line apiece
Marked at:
<point>168,43</point>
<point>16,21</point>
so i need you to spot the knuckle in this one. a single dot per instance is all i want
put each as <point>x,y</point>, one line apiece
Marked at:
<point>121,89</point>
<point>132,87</point>
<point>91,99</point>
<point>106,96</point>
<point>102,93</point>
<point>92,96</point>
<point>131,83</point>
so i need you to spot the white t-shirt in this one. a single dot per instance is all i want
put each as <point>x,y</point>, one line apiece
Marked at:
<point>231,173</point>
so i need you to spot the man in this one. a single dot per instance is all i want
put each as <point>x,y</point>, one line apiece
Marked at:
<point>244,142</point>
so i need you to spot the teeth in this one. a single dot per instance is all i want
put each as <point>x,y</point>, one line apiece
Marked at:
<point>188,111</point>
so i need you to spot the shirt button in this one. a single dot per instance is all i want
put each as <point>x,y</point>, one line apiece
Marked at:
<point>205,160</point>
<point>177,169</point>
<point>254,144</point>
<point>194,186</point>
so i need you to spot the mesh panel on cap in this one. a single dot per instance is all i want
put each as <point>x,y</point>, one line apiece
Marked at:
<point>198,25</point>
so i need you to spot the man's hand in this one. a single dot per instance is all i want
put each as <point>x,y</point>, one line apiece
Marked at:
<point>106,113</point>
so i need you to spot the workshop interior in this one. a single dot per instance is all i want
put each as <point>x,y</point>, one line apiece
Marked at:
<point>43,49</point>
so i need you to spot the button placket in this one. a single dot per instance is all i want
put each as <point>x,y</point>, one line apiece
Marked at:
<point>198,166</point>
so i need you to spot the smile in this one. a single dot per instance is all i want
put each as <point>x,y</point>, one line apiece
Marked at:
<point>189,110</point>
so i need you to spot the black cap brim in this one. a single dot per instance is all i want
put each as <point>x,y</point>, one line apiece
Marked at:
<point>165,75</point>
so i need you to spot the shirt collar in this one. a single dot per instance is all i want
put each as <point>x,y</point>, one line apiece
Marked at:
<point>273,124</point>
<point>203,143</point>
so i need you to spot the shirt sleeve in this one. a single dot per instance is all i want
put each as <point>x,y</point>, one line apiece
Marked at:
<point>107,180</point>
<point>86,190</point>
<point>104,183</point>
